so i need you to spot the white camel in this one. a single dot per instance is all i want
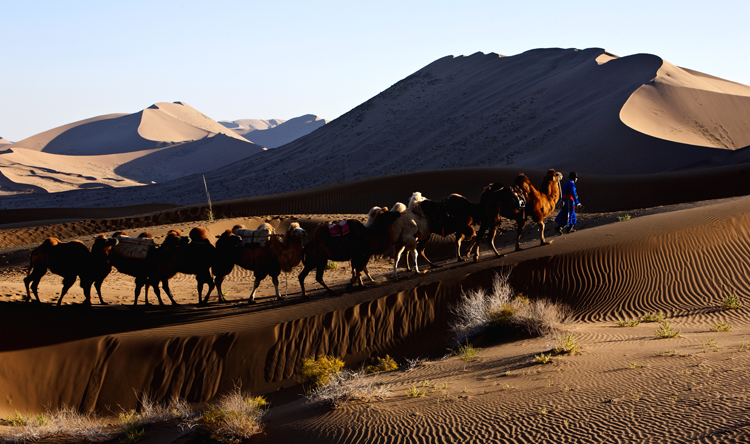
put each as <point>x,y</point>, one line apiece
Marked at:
<point>408,229</point>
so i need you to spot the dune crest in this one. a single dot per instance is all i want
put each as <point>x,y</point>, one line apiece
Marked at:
<point>690,107</point>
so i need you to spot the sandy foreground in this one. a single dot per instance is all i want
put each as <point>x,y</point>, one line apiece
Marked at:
<point>624,386</point>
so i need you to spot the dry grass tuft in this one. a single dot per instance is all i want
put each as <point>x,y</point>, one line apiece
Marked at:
<point>345,386</point>
<point>236,417</point>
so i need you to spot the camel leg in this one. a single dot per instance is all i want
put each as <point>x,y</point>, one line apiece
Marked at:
<point>414,253</point>
<point>366,272</point>
<point>398,258</point>
<point>98,286</point>
<point>302,275</point>
<point>155,286</point>
<point>475,242</point>
<point>541,232</point>
<point>459,238</point>
<point>204,278</point>
<point>138,286</point>
<point>86,287</point>
<point>165,286</point>
<point>256,284</point>
<point>219,292</point>
<point>319,277</point>
<point>492,241</point>
<point>275,280</point>
<point>33,279</point>
<point>421,245</point>
<point>67,283</point>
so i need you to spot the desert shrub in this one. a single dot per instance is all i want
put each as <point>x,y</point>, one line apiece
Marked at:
<point>332,266</point>
<point>414,392</point>
<point>653,317</point>
<point>543,359</point>
<point>345,386</point>
<point>479,310</point>
<point>566,343</point>
<point>665,331</point>
<point>721,326</point>
<point>623,218</point>
<point>236,417</point>
<point>731,302</point>
<point>384,365</point>
<point>315,372</point>
<point>64,424</point>
<point>132,423</point>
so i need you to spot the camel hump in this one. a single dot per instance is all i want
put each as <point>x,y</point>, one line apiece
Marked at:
<point>50,242</point>
<point>398,207</point>
<point>146,235</point>
<point>198,234</point>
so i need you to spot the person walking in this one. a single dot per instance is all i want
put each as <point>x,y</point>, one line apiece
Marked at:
<point>566,218</point>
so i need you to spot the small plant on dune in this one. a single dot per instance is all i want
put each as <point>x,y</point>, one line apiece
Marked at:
<point>467,352</point>
<point>629,323</point>
<point>414,392</point>
<point>345,386</point>
<point>16,420</point>
<point>543,359</point>
<point>315,372</point>
<point>566,343</point>
<point>665,331</point>
<point>235,418</point>
<point>384,365</point>
<point>721,326</point>
<point>635,365</point>
<point>731,302</point>
<point>623,218</point>
<point>654,317</point>
<point>743,346</point>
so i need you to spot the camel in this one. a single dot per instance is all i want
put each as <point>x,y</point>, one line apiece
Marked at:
<point>541,203</point>
<point>271,259</point>
<point>69,260</point>
<point>196,258</point>
<point>160,264</point>
<point>407,230</point>
<point>497,200</point>
<point>357,246</point>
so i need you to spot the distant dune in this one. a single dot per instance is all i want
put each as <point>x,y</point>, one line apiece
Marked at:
<point>166,141</point>
<point>243,126</point>
<point>275,132</point>
<point>4,142</point>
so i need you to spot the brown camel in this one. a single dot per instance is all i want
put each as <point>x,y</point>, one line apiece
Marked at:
<point>196,258</point>
<point>540,203</point>
<point>276,255</point>
<point>357,246</point>
<point>497,200</point>
<point>159,264</point>
<point>69,260</point>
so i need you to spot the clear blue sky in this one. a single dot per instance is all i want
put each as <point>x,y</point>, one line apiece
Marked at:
<point>64,61</point>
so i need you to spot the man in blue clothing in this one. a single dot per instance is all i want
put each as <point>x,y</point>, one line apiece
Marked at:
<point>566,218</point>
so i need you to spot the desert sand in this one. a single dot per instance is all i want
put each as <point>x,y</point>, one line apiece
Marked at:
<point>625,385</point>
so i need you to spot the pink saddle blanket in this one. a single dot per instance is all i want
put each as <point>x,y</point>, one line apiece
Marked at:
<point>340,229</point>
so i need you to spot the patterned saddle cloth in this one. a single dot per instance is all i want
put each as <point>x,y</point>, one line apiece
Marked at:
<point>339,229</point>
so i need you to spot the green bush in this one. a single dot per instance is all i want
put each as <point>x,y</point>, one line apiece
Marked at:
<point>315,372</point>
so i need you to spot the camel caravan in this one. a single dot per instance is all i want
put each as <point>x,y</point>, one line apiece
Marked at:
<point>405,228</point>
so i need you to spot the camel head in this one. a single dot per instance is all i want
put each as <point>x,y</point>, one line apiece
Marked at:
<point>415,199</point>
<point>174,239</point>
<point>295,231</point>
<point>103,244</point>
<point>227,239</point>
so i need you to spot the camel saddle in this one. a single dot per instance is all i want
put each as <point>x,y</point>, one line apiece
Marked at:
<point>133,247</point>
<point>252,238</point>
<point>519,195</point>
<point>339,229</point>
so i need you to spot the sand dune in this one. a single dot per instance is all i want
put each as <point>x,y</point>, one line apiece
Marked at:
<point>4,141</point>
<point>121,151</point>
<point>287,131</point>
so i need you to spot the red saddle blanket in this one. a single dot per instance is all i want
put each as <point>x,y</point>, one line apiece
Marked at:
<point>340,229</point>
